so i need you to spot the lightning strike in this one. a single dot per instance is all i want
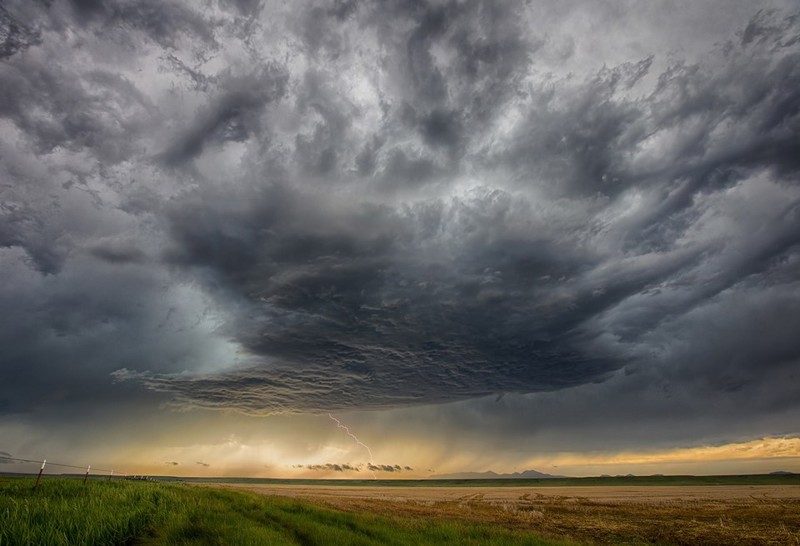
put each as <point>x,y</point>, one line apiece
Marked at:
<point>359,442</point>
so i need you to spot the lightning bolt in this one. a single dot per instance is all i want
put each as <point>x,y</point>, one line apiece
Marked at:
<point>359,442</point>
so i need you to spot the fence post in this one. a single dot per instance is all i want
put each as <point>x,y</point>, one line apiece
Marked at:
<point>39,477</point>
<point>86,477</point>
<point>111,475</point>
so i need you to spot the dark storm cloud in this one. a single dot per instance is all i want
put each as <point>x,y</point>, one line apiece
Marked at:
<point>102,113</point>
<point>377,302</point>
<point>383,467</point>
<point>117,252</point>
<point>52,355</point>
<point>201,82</point>
<point>163,22</point>
<point>375,205</point>
<point>231,117</point>
<point>336,467</point>
<point>339,467</point>
<point>76,265</point>
<point>245,7</point>
<point>15,36</point>
<point>378,305</point>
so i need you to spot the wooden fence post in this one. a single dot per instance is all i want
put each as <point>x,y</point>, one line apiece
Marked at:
<point>39,477</point>
<point>86,477</point>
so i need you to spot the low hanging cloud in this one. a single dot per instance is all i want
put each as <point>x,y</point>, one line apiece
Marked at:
<point>384,467</point>
<point>335,467</point>
<point>501,204</point>
<point>346,467</point>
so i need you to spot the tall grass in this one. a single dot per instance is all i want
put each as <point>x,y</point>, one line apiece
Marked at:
<point>66,512</point>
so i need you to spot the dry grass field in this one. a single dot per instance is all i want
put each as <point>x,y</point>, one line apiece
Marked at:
<point>714,515</point>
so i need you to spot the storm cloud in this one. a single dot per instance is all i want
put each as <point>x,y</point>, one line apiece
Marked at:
<point>377,205</point>
<point>346,467</point>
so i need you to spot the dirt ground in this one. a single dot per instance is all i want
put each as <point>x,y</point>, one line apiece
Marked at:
<point>714,515</point>
<point>640,494</point>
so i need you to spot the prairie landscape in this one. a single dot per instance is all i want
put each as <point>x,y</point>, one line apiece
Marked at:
<point>598,514</point>
<point>399,272</point>
<point>67,512</point>
<point>115,512</point>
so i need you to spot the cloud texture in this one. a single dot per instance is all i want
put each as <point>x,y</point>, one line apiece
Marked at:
<point>358,205</point>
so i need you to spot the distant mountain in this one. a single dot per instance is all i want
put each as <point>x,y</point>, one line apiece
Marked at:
<point>525,475</point>
<point>782,473</point>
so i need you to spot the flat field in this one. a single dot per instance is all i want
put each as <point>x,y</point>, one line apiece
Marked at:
<point>619,514</point>
<point>67,512</point>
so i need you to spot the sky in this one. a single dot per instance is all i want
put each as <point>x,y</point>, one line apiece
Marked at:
<point>561,236</point>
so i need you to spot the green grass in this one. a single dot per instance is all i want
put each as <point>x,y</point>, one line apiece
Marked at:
<point>113,512</point>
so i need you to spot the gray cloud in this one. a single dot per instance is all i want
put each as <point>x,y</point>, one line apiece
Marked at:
<point>232,116</point>
<point>384,467</point>
<point>15,35</point>
<point>163,22</point>
<point>117,252</point>
<point>379,205</point>
<point>346,467</point>
<point>356,307</point>
<point>336,467</point>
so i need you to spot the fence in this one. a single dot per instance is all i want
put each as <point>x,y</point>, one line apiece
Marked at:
<point>88,468</point>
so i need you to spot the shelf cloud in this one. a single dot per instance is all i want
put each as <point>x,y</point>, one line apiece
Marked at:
<point>382,205</point>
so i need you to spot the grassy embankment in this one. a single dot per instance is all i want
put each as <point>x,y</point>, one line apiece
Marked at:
<point>112,512</point>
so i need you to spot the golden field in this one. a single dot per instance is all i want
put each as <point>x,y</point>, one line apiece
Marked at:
<point>714,515</point>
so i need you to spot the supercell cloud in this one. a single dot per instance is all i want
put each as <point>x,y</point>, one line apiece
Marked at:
<point>369,205</point>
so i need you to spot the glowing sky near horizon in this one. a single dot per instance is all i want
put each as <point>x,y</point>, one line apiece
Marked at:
<point>484,235</point>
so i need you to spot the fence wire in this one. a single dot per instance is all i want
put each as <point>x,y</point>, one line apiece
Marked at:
<point>47,463</point>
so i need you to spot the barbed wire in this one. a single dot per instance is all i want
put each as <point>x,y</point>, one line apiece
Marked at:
<point>62,465</point>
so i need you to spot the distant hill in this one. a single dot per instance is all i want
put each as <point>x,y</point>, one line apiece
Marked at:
<point>489,475</point>
<point>782,473</point>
